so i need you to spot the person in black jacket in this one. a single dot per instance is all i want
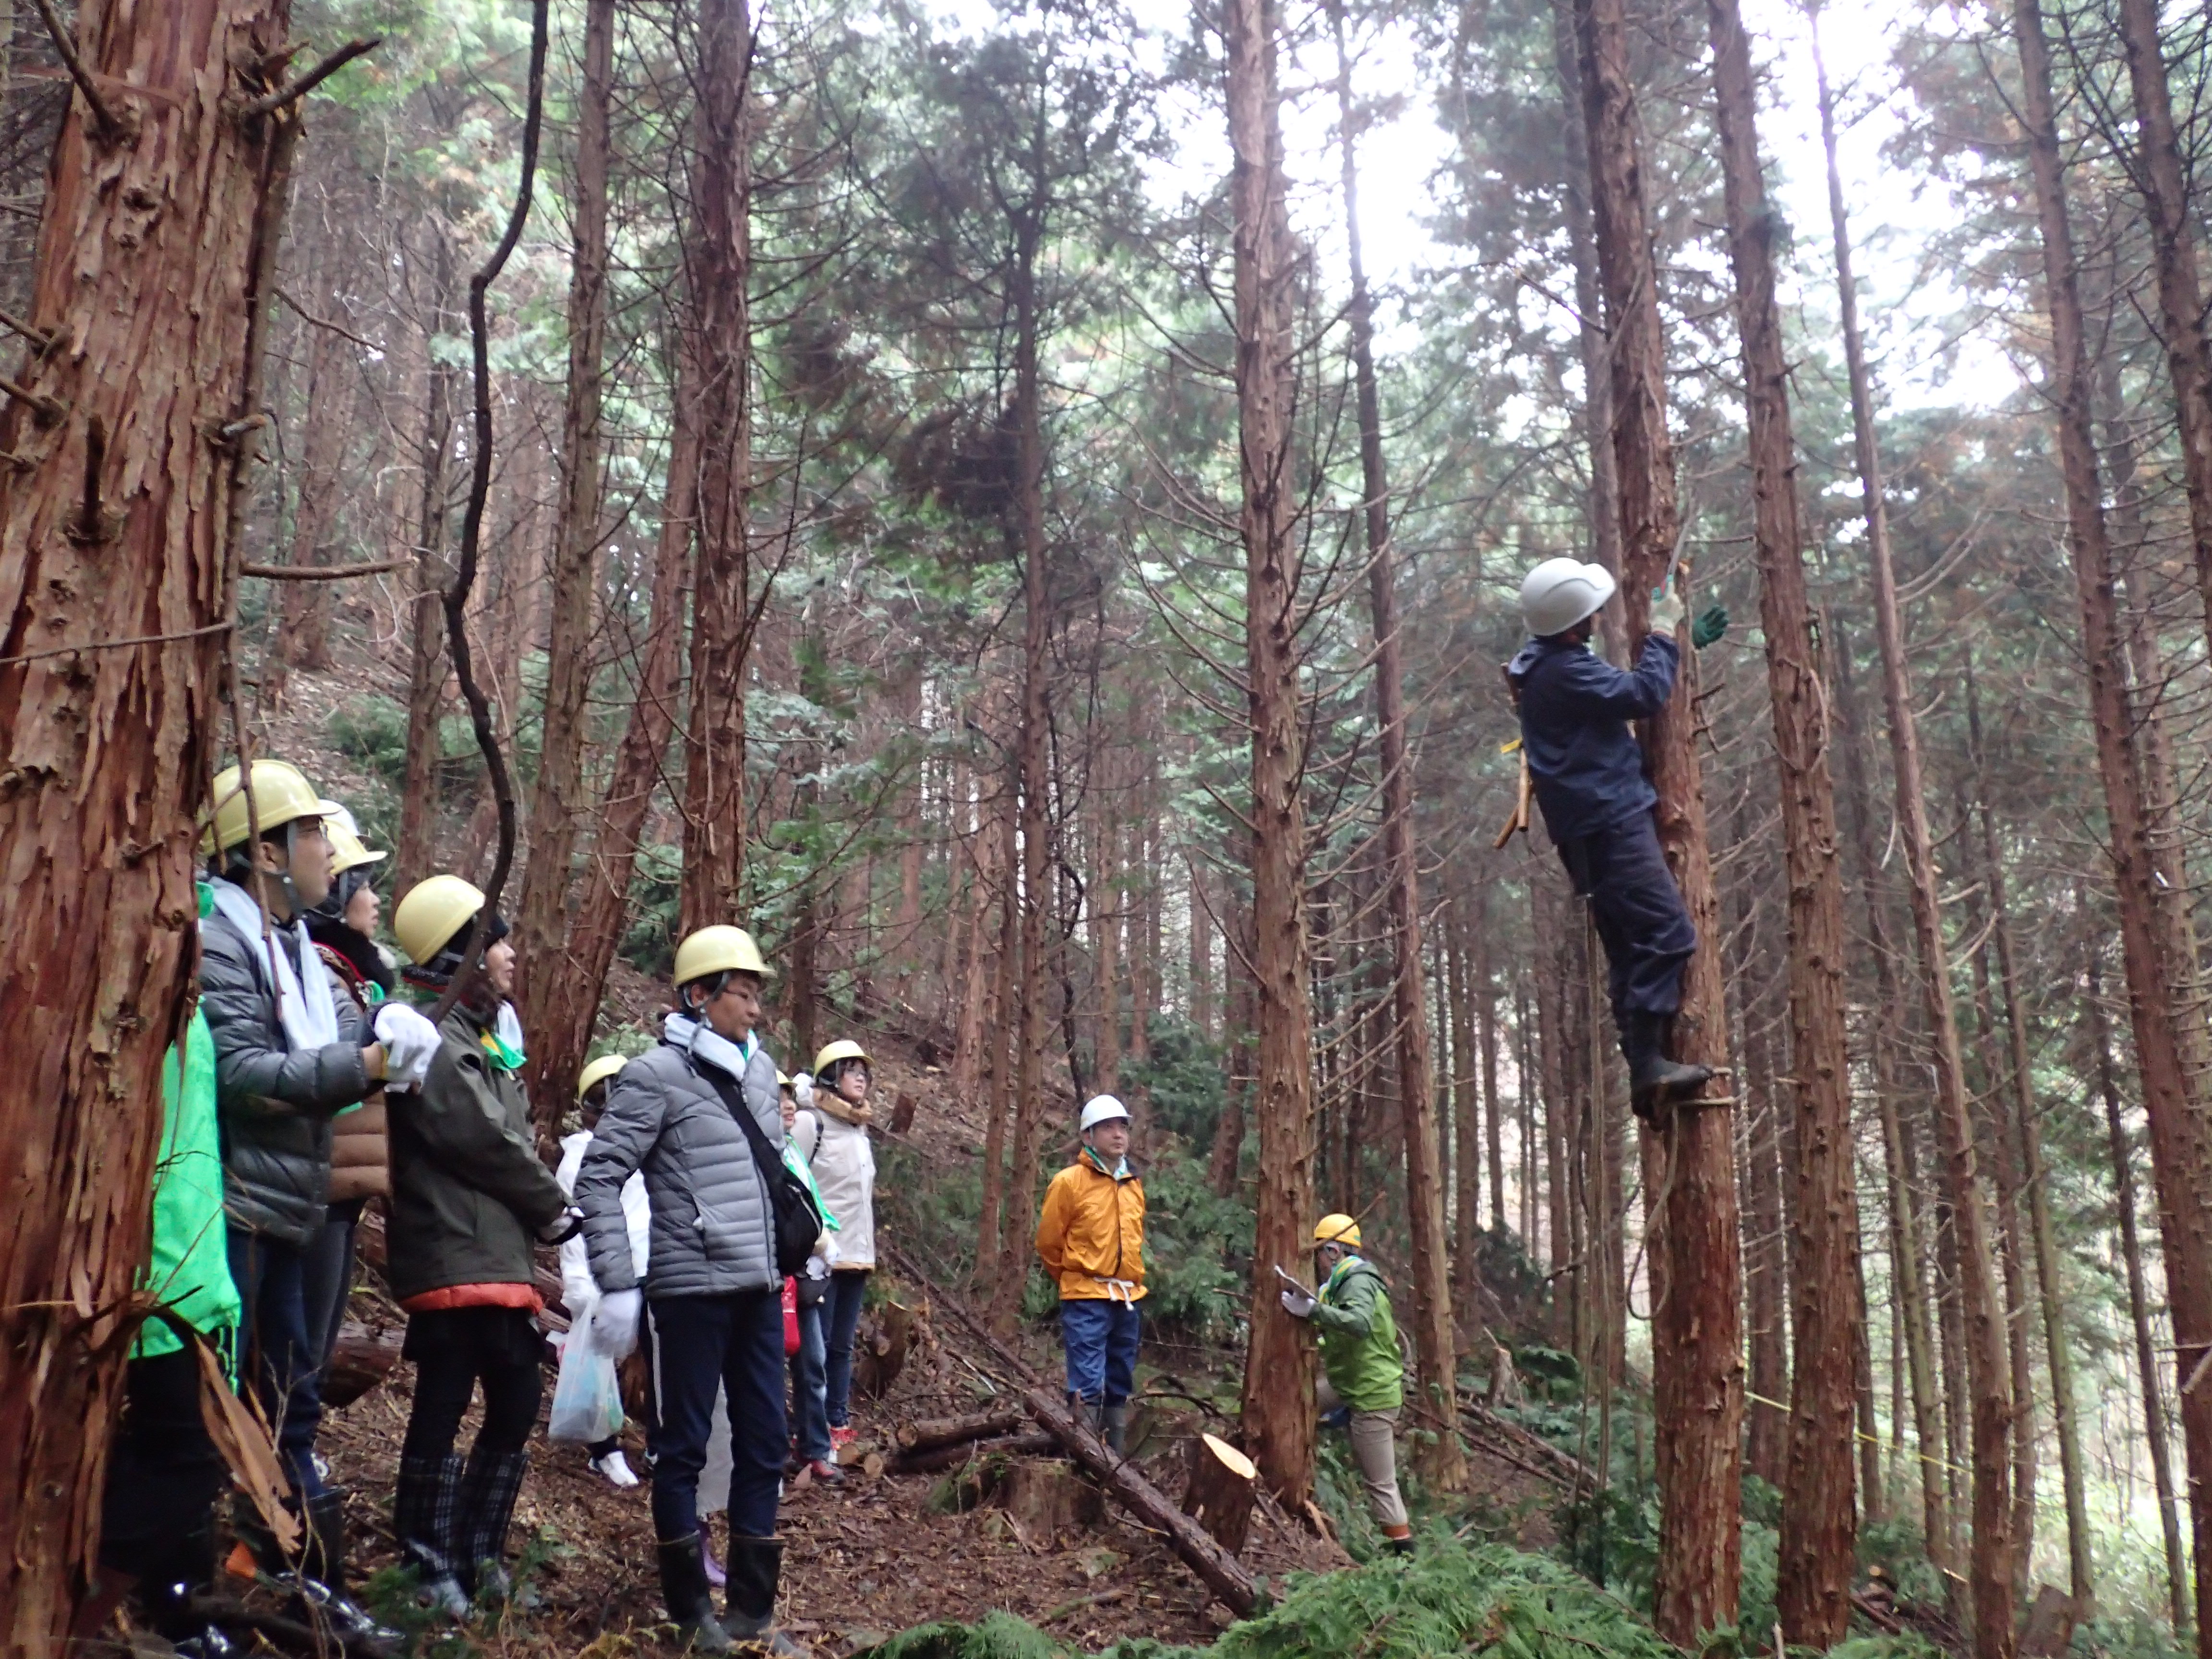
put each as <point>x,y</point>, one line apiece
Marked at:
<point>291,1051</point>
<point>1588,774</point>
<point>470,1197</point>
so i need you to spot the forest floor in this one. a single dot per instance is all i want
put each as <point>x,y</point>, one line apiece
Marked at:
<point>876,1555</point>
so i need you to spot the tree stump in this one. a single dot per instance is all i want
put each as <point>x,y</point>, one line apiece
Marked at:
<point>1219,1495</point>
<point>2051,1622</point>
<point>903,1114</point>
<point>1047,1496</point>
<point>884,1339</point>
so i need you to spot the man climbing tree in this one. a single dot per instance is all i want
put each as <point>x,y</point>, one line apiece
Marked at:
<point>1589,778</point>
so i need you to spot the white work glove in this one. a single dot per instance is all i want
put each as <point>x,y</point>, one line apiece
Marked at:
<point>802,1091</point>
<point>1670,607</point>
<point>614,1322</point>
<point>1298,1304</point>
<point>411,1043</point>
<point>562,1228</point>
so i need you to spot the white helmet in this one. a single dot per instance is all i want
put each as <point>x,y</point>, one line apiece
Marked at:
<point>1560,592</point>
<point>1100,1108</point>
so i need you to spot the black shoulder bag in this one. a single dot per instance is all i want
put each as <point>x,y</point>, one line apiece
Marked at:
<point>798,1220</point>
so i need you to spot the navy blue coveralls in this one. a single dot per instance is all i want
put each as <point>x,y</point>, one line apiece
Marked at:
<point>1588,774</point>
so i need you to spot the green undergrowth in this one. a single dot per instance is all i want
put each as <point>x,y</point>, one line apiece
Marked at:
<point>1491,1601</point>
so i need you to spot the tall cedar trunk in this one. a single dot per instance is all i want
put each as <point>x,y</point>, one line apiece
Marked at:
<point>1468,1198</point>
<point>303,635</point>
<point>2178,1152</point>
<point>1820,1525</point>
<point>556,801</point>
<point>2161,173</point>
<point>1486,1007</point>
<point>2156,1432</point>
<point>1278,1363</point>
<point>1032,744</point>
<point>562,1036</point>
<point>1601,505</point>
<point>2059,1352</point>
<point>1988,1376</point>
<point>1224,1161</point>
<point>1697,1320</point>
<point>156,252</point>
<point>1907,1252</point>
<point>998,1249</point>
<point>1767,1280</point>
<point>1442,1464</point>
<point>417,852</point>
<point>717,273</point>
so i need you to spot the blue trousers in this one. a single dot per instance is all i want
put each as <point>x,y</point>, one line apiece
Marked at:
<point>737,1341</point>
<point>282,1357</point>
<point>810,1386</point>
<point>841,1313</point>
<point>1642,921</point>
<point>1100,1340</point>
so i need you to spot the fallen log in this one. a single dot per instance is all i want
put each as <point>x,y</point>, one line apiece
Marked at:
<point>1553,1464</point>
<point>1220,1496</point>
<point>948,1457</point>
<point>360,1359</point>
<point>928,1433</point>
<point>1221,1572</point>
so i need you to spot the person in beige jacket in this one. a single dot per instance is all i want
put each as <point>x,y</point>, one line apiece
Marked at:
<point>344,927</point>
<point>844,1165</point>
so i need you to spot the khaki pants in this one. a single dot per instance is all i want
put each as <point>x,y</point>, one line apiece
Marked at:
<point>1375,1450</point>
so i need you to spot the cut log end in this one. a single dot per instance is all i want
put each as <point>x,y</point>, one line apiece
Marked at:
<point>1223,1481</point>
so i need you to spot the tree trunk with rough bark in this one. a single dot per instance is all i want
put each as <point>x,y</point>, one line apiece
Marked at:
<point>557,802</point>
<point>156,254</point>
<point>563,1037</point>
<point>717,257</point>
<point>2178,1131</point>
<point>1820,1523</point>
<point>1441,1462</point>
<point>416,855</point>
<point>2157,1432</point>
<point>2162,175</point>
<point>1988,1374</point>
<point>1696,1320</point>
<point>1279,1365</point>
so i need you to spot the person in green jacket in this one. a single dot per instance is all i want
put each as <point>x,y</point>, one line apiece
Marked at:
<point>1363,1382</point>
<point>157,1516</point>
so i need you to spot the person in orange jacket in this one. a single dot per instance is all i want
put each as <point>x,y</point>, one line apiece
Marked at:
<point>1090,1238</point>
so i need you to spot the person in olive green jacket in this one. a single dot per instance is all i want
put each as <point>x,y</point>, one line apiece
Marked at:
<point>470,1196</point>
<point>157,1516</point>
<point>1363,1373</point>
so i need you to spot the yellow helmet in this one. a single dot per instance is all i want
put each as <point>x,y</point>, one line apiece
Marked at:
<point>345,837</point>
<point>843,1048</point>
<point>1337,1230</point>
<point>281,794</point>
<point>719,949</point>
<point>432,915</point>
<point>599,1071</point>
<point>783,1079</point>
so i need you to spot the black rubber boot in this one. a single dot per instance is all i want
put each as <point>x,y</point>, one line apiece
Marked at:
<point>690,1602</point>
<point>754,1566</point>
<point>426,1516</point>
<point>1653,1079</point>
<point>319,1588</point>
<point>1117,1427</point>
<point>490,1490</point>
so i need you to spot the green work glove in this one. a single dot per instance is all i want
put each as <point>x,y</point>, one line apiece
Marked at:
<point>1711,624</point>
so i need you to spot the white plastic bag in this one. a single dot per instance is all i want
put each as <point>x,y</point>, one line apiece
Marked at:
<point>588,1396</point>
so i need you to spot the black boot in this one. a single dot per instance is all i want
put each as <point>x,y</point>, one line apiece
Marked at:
<point>319,1588</point>
<point>755,1565</point>
<point>691,1603</point>
<point>1117,1427</point>
<point>426,1518</point>
<point>489,1491</point>
<point>1653,1078</point>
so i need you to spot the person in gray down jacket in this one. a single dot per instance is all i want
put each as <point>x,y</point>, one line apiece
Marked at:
<point>291,1051</point>
<point>711,1274</point>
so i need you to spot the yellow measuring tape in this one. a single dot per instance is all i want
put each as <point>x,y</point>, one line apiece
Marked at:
<point>1871,1439</point>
